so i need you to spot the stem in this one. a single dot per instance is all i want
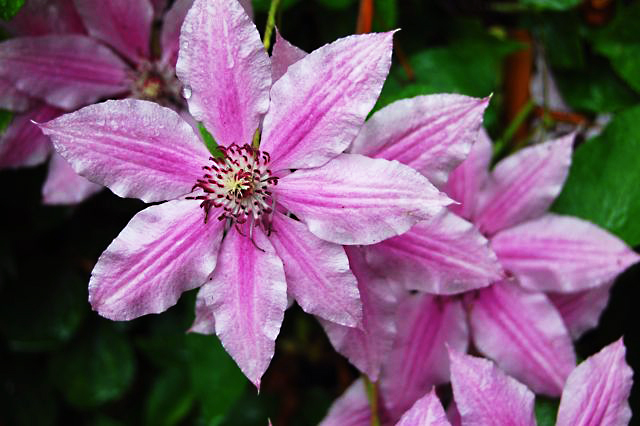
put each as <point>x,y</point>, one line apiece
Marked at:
<point>503,142</point>
<point>372,395</point>
<point>271,23</point>
<point>365,17</point>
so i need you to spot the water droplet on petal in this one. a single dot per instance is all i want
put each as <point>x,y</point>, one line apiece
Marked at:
<point>186,92</point>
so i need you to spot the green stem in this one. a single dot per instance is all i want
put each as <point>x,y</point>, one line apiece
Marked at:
<point>372,395</point>
<point>504,142</point>
<point>271,23</point>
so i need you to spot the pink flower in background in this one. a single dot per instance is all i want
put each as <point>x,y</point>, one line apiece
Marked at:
<point>308,118</point>
<point>69,54</point>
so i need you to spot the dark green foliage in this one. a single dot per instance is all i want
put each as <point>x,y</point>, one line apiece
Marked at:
<point>546,411</point>
<point>9,8</point>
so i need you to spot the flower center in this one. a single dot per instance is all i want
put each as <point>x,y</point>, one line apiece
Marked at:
<point>156,82</point>
<point>239,183</point>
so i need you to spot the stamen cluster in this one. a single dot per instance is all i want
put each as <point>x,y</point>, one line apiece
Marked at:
<point>239,183</point>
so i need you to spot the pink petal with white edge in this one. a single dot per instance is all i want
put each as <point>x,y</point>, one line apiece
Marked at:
<point>225,70</point>
<point>283,56</point>
<point>419,359</point>
<point>11,98</point>
<point>427,411</point>
<point>368,345</point>
<point>523,186</point>
<point>170,34</point>
<point>581,310</point>
<point>597,391</point>
<point>164,250</point>
<point>358,200</point>
<point>484,395</point>
<point>136,148</point>
<point>64,186</point>
<point>562,254</point>
<point>66,71</point>
<point>247,295</point>
<point>524,333</point>
<point>317,271</point>
<point>470,177</point>
<point>351,409</point>
<point>320,103</point>
<point>123,24</point>
<point>444,255</point>
<point>432,134</point>
<point>23,144</point>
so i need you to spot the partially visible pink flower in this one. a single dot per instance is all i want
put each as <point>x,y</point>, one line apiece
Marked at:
<point>596,392</point>
<point>283,231</point>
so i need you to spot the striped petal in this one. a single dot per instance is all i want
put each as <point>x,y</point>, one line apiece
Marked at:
<point>64,186</point>
<point>581,310</point>
<point>283,56</point>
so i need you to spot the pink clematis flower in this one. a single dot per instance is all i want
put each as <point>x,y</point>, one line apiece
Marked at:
<point>72,53</point>
<point>283,230</point>
<point>596,392</point>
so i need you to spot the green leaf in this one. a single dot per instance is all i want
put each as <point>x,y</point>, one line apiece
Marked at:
<point>546,411</point>
<point>209,141</point>
<point>9,8</point>
<point>551,4</point>
<point>385,15</point>
<point>215,378</point>
<point>603,180</point>
<point>336,4</point>
<point>170,399</point>
<point>262,6</point>
<point>94,370</point>
<point>620,42</point>
<point>5,119</point>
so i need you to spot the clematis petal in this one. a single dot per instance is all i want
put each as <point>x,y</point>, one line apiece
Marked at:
<point>170,34</point>
<point>164,250</point>
<point>320,103</point>
<point>597,391</point>
<point>524,333</point>
<point>11,98</point>
<point>432,133</point>
<point>523,186</point>
<point>351,409</point>
<point>427,411</point>
<point>66,71</point>
<point>136,148</point>
<point>123,24</point>
<point>63,185</point>
<point>419,360</point>
<point>484,395</point>
<point>22,143</point>
<point>443,255</point>
<point>581,310</point>
<point>358,200</point>
<point>247,6</point>
<point>42,17</point>
<point>247,295</point>
<point>318,274</point>
<point>470,177</point>
<point>283,56</point>
<point>225,70</point>
<point>562,254</point>
<point>368,345</point>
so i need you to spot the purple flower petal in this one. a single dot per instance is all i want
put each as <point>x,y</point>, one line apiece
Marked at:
<point>136,148</point>
<point>444,255</point>
<point>247,295</point>
<point>523,186</point>
<point>164,250</point>
<point>351,409</point>
<point>64,186</point>
<point>524,334</point>
<point>320,103</point>
<point>484,395</point>
<point>283,56</point>
<point>419,359</point>
<point>42,17</point>
<point>11,98</point>
<point>225,70</point>
<point>562,254</point>
<point>432,133</point>
<point>368,345</point>
<point>358,200</point>
<point>123,24</point>
<point>427,411</point>
<point>597,391</point>
<point>317,272</point>
<point>170,34</point>
<point>581,311</point>
<point>470,177</point>
<point>22,143</point>
<point>66,71</point>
